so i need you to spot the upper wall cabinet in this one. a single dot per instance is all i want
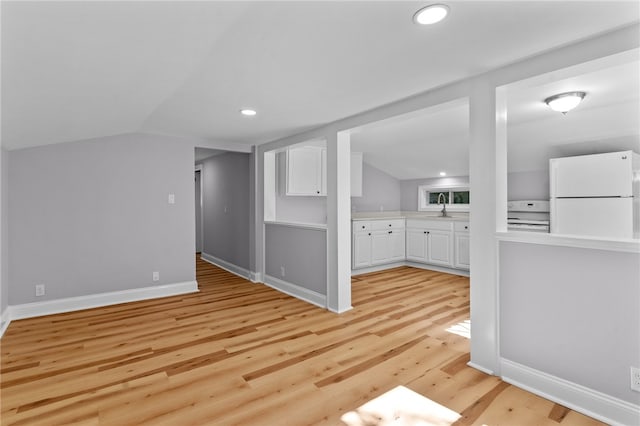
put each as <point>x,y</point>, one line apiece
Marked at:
<point>307,171</point>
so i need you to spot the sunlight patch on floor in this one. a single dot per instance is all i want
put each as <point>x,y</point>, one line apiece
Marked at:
<point>461,329</point>
<point>401,407</point>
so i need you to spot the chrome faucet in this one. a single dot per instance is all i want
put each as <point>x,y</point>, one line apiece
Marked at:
<point>443,212</point>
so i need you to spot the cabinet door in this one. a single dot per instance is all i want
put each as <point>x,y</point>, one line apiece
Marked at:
<point>396,244</point>
<point>380,249</point>
<point>361,249</point>
<point>439,248</point>
<point>416,245</point>
<point>462,250</point>
<point>304,171</point>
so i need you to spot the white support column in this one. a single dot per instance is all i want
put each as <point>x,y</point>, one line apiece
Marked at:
<point>338,222</point>
<point>487,167</point>
<point>258,218</point>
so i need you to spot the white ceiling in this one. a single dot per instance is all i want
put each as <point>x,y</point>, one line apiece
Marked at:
<point>78,70</point>
<point>424,143</point>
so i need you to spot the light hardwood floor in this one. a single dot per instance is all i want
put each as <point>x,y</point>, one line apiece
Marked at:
<point>241,353</point>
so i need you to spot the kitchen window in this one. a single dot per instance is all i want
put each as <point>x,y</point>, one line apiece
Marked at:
<point>456,198</point>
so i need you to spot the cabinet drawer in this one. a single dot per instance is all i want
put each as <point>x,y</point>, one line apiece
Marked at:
<point>444,225</point>
<point>379,225</point>
<point>361,226</point>
<point>461,226</point>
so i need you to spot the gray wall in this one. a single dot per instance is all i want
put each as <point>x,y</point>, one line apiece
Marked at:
<point>92,216</point>
<point>572,313</point>
<point>302,252</point>
<point>226,197</point>
<point>296,208</point>
<point>4,216</point>
<point>409,189</point>
<point>379,190</point>
<point>532,185</point>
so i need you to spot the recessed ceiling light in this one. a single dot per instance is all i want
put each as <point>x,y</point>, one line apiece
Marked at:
<point>248,112</point>
<point>443,173</point>
<point>431,14</point>
<point>565,102</point>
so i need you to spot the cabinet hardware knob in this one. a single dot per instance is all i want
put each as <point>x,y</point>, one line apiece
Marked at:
<point>425,232</point>
<point>362,226</point>
<point>390,232</point>
<point>466,227</point>
<point>624,157</point>
<point>389,224</point>
<point>317,192</point>
<point>369,233</point>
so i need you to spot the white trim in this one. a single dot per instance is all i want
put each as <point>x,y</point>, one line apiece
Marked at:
<point>300,225</point>
<point>631,246</point>
<point>377,268</point>
<point>70,304</point>
<point>227,266</point>
<point>5,320</point>
<point>296,291</point>
<point>256,277</point>
<point>446,270</point>
<point>592,403</point>
<point>480,368</point>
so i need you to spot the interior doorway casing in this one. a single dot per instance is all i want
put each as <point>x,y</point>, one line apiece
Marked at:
<point>198,208</point>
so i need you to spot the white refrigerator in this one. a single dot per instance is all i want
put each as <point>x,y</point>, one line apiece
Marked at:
<point>596,195</point>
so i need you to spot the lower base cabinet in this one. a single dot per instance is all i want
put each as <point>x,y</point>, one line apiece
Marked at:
<point>378,242</point>
<point>434,242</point>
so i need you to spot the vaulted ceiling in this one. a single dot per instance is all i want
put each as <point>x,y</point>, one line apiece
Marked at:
<point>78,70</point>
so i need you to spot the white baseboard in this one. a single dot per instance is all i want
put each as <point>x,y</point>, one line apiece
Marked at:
<point>592,403</point>
<point>256,277</point>
<point>36,309</point>
<point>4,321</point>
<point>296,291</point>
<point>377,268</point>
<point>230,267</point>
<point>480,368</point>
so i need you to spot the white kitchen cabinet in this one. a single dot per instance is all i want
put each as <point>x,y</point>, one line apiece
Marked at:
<point>361,249</point>
<point>439,247</point>
<point>378,242</point>
<point>417,245</point>
<point>430,241</point>
<point>307,171</point>
<point>461,245</point>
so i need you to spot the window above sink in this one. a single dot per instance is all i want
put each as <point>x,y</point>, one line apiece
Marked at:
<point>455,197</point>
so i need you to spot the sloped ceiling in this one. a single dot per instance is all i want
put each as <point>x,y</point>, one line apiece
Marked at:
<point>77,70</point>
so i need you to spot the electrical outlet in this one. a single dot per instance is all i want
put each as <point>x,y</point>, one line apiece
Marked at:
<point>39,290</point>
<point>282,271</point>
<point>635,379</point>
<point>156,276</point>
<point>171,198</point>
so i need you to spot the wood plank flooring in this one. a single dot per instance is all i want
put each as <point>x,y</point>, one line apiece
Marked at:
<point>242,353</point>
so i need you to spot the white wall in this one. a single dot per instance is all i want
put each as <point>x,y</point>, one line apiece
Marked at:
<point>530,185</point>
<point>92,216</point>
<point>380,191</point>
<point>573,313</point>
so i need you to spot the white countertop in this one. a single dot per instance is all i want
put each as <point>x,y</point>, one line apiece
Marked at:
<point>457,216</point>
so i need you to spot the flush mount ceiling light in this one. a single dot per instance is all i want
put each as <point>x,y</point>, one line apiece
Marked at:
<point>431,14</point>
<point>564,102</point>
<point>443,173</point>
<point>248,112</point>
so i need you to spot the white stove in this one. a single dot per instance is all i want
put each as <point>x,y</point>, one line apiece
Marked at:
<point>528,215</point>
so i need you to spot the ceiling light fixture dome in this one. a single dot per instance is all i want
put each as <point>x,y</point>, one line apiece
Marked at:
<point>565,102</point>
<point>248,112</point>
<point>431,14</point>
